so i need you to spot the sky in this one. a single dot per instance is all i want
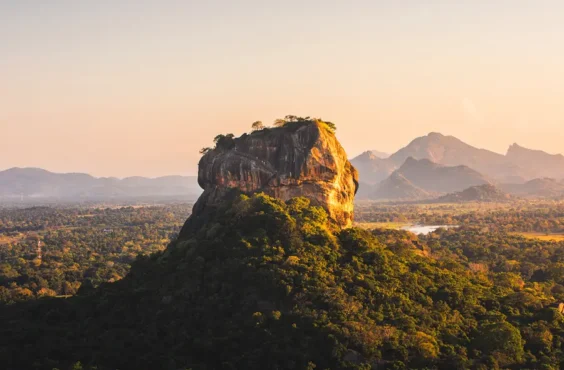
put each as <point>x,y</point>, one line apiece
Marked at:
<point>122,88</point>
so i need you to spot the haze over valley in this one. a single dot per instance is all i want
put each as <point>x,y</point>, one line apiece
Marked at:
<point>29,185</point>
<point>428,167</point>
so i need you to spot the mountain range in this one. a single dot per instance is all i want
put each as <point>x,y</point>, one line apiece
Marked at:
<point>418,179</point>
<point>438,164</point>
<point>517,166</point>
<point>428,167</point>
<point>35,183</point>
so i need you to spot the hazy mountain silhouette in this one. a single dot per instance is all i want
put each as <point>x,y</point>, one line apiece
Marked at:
<point>418,179</point>
<point>544,187</point>
<point>519,166</point>
<point>38,183</point>
<point>380,154</point>
<point>450,151</point>
<point>539,163</point>
<point>397,187</point>
<point>372,168</point>
<point>479,193</point>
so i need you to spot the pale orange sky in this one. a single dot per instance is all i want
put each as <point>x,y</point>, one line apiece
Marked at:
<point>120,88</point>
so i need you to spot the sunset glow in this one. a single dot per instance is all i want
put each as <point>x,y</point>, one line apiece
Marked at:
<point>119,88</point>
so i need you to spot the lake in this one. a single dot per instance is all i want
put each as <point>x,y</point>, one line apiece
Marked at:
<point>425,229</point>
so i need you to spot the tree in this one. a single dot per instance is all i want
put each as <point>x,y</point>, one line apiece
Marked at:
<point>502,340</point>
<point>224,141</point>
<point>218,138</point>
<point>205,150</point>
<point>279,122</point>
<point>257,125</point>
<point>292,118</point>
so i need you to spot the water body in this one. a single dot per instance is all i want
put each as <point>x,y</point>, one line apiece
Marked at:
<point>425,229</point>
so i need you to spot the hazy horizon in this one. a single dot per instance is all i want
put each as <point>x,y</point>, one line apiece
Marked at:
<point>119,88</point>
<point>195,173</point>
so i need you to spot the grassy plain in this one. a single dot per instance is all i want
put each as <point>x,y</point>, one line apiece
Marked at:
<point>541,236</point>
<point>382,225</point>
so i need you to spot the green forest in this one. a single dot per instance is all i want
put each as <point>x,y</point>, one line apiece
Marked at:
<point>54,251</point>
<point>273,285</point>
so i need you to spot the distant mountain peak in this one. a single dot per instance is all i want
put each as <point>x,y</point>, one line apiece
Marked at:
<point>366,156</point>
<point>478,193</point>
<point>515,148</point>
<point>373,168</point>
<point>371,155</point>
<point>519,149</point>
<point>25,169</point>
<point>435,134</point>
<point>379,154</point>
<point>540,163</point>
<point>423,163</point>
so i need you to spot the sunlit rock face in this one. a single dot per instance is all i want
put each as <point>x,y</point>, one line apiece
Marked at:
<point>297,160</point>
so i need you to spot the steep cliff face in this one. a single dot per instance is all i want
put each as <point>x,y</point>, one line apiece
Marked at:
<point>299,159</point>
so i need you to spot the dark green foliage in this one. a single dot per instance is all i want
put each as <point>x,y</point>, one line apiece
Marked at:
<point>272,285</point>
<point>225,142</point>
<point>502,340</point>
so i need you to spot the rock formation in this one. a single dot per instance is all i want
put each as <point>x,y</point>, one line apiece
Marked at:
<point>300,159</point>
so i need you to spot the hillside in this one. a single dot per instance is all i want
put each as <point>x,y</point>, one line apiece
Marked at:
<point>35,183</point>
<point>433,177</point>
<point>480,193</point>
<point>398,187</point>
<point>423,179</point>
<point>540,163</point>
<point>372,169</point>
<point>380,154</point>
<point>544,188</point>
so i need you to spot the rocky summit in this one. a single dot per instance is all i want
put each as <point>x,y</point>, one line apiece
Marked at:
<point>299,159</point>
